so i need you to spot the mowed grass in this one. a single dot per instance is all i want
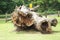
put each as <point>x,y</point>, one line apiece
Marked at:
<point>7,32</point>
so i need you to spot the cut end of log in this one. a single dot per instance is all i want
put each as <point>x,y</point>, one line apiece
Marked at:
<point>44,25</point>
<point>54,22</point>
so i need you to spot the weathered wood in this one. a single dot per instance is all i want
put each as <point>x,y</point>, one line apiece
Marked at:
<point>6,17</point>
<point>53,22</point>
<point>44,26</point>
<point>34,8</point>
<point>22,21</point>
<point>25,19</point>
<point>58,13</point>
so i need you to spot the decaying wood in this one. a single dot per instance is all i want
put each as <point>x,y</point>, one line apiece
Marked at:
<point>53,22</point>
<point>34,8</point>
<point>44,26</point>
<point>23,19</point>
<point>41,23</point>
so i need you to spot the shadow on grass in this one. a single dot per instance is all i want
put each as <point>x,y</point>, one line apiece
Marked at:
<point>55,31</point>
<point>28,32</point>
<point>35,32</point>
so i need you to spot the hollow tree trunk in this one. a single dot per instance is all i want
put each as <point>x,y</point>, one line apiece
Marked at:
<point>44,26</point>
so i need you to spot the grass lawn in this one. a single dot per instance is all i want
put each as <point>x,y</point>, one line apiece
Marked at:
<point>7,33</point>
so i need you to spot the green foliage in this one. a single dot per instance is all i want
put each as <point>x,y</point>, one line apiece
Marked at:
<point>6,6</point>
<point>45,5</point>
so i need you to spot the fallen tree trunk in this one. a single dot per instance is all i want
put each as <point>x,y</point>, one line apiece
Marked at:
<point>25,19</point>
<point>44,26</point>
<point>22,21</point>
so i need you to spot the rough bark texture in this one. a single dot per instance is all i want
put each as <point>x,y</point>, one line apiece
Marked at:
<point>31,20</point>
<point>44,26</point>
<point>21,20</point>
<point>54,22</point>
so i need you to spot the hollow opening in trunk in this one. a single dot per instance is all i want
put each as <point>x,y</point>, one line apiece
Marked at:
<point>44,25</point>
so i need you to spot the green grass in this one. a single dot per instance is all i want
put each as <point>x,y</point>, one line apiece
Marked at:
<point>7,33</point>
